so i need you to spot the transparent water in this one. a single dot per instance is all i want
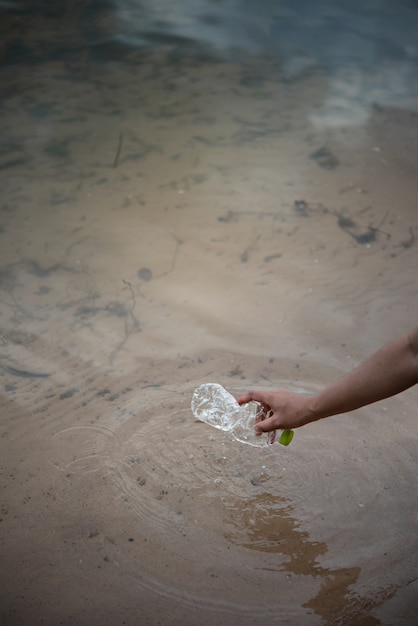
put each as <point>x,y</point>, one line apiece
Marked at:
<point>192,192</point>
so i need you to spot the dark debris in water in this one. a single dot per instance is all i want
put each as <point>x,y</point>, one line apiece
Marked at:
<point>230,216</point>
<point>362,235</point>
<point>114,308</point>
<point>301,207</point>
<point>345,222</point>
<point>365,238</point>
<point>68,394</point>
<point>23,373</point>
<point>325,158</point>
<point>145,274</point>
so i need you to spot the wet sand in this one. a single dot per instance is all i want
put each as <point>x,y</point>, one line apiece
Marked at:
<point>166,222</point>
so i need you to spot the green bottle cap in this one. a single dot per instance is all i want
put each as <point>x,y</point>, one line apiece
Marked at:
<point>286,437</point>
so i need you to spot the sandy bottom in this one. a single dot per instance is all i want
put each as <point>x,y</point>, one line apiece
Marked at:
<point>165,223</point>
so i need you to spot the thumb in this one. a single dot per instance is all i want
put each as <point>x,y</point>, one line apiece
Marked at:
<point>266,426</point>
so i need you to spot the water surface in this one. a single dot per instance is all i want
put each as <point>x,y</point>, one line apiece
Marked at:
<point>186,198</point>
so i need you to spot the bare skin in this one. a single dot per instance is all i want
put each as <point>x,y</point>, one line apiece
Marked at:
<point>389,371</point>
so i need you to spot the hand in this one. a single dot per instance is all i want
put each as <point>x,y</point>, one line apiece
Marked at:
<point>283,409</point>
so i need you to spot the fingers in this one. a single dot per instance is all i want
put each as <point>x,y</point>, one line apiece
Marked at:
<point>258,396</point>
<point>264,419</point>
<point>265,426</point>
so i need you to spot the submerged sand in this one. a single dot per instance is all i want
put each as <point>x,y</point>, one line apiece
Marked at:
<point>166,222</point>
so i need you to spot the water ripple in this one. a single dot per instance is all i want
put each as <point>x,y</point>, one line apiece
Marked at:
<point>205,502</point>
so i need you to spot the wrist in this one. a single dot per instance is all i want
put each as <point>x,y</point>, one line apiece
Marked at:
<point>314,408</point>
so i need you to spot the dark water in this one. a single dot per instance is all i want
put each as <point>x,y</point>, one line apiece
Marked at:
<point>367,50</point>
<point>300,34</point>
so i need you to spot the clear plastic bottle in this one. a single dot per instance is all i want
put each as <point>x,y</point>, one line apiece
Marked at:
<point>214,405</point>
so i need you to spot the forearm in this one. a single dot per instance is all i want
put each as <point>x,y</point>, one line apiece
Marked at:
<point>389,371</point>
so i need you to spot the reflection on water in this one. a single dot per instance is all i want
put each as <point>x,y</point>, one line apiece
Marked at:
<point>367,50</point>
<point>190,197</point>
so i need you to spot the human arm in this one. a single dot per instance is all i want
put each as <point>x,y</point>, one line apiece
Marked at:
<point>389,371</point>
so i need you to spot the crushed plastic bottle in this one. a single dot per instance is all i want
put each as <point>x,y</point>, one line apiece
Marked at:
<point>214,405</point>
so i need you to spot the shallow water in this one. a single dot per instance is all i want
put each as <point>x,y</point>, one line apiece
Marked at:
<point>180,211</point>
